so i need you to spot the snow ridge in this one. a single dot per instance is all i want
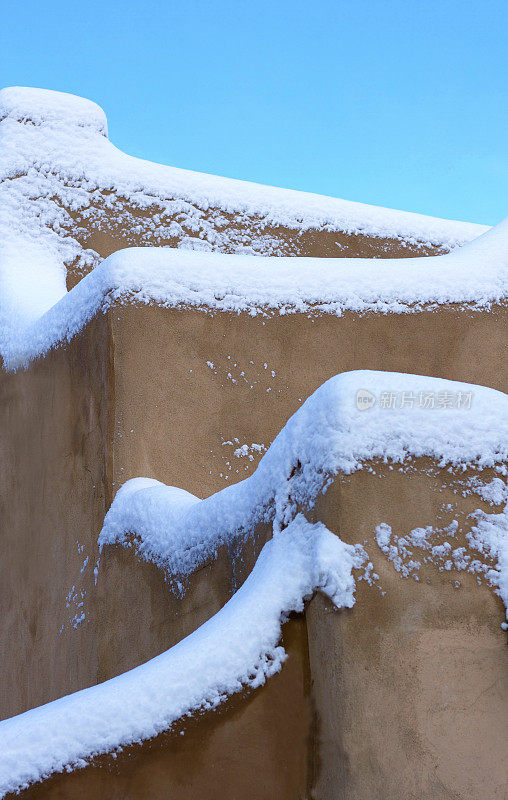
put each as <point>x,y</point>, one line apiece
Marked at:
<point>56,161</point>
<point>38,315</point>
<point>237,648</point>
<point>328,434</point>
<point>46,107</point>
<point>66,143</point>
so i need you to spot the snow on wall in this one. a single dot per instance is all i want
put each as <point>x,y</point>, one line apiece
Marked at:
<point>46,107</point>
<point>485,555</point>
<point>237,648</point>
<point>475,275</point>
<point>490,538</point>
<point>351,419</point>
<point>54,155</point>
<point>332,432</point>
<point>56,160</point>
<point>67,146</point>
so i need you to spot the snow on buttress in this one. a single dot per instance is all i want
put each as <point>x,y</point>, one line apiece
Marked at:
<point>237,648</point>
<point>55,145</point>
<point>327,435</point>
<point>55,155</point>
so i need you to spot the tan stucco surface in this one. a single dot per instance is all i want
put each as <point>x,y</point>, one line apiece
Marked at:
<point>134,395</point>
<point>410,687</point>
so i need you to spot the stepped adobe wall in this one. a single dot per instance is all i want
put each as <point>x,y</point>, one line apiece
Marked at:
<point>63,184</point>
<point>135,393</point>
<point>392,696</point>
<point>389,698</point>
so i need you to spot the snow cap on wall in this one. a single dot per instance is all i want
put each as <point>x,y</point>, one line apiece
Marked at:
<point>44,106</point>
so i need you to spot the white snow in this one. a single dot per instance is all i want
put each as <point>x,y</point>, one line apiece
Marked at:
<point>476,274</point>
<point>327,435</point>
<point>54,156</point>
<point>486,556</point>
<point>238,647</point>
<point>490,537</point>
<point>55,159</point>
<point>494,492</point>
<point>65,141</point>
<point>46,107</point>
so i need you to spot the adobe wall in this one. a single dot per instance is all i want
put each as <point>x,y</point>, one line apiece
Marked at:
<point>140,616</point>
<point>63,626</point>
<point>409,687</point>
<point>112,223</point>
<point>177,417</point>
<point>134,395</point>
<point>255,746</point>
<point>174,411</point>
<point>403,696</point>
<point>171,417</point>
<point>54,491</point>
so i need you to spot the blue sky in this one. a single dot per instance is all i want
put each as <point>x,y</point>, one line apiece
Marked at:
<point>396,103</point>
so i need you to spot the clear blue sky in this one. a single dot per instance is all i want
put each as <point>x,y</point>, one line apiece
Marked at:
<point>401,103</point>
